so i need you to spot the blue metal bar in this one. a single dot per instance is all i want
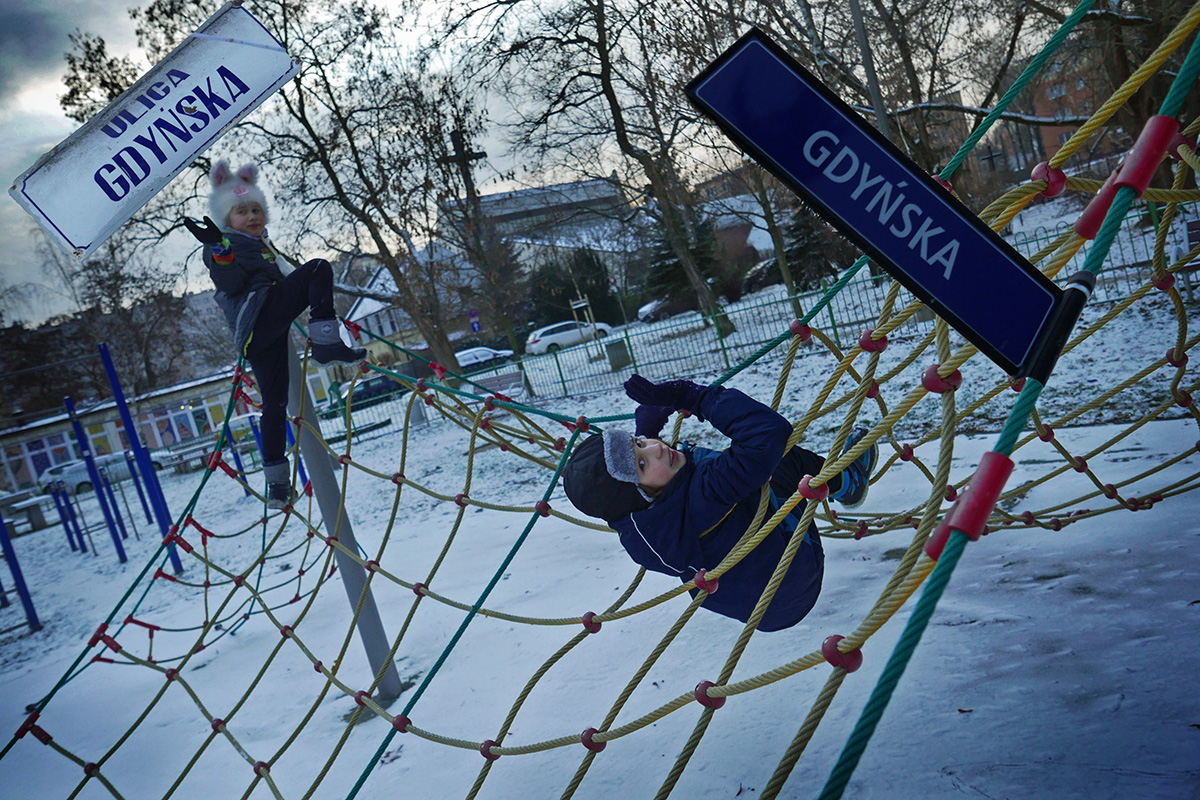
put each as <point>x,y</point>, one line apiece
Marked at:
<point>22,590</point>
<point>85,449</point>
<point>157,500</point>
<point>137,483</point>
<point>112,498</point>
<point>62,515</point>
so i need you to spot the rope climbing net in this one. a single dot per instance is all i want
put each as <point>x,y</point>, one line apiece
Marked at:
<point>268,574</point>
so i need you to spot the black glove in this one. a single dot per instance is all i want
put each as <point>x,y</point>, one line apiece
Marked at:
<point>208,233</point>
<point>674,394</point>
<point>649,420</point>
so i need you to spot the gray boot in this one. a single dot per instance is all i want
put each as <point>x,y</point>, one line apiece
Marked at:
<point>279,484</point>
<point>327,344</point>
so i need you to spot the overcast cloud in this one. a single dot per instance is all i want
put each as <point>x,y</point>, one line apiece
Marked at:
<point>33,41</point>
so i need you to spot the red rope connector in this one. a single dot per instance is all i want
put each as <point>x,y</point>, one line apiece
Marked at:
<point>261,768</point>
<point>945,184</point>
<point>98,635</point>
<point>1166,283</point>
<point>216,724</point>
<point>417,587</point>
<point>951,494</point>
<point>485,750</point>
<point>850,661</point>
<point>906,453</point>
<point>317,666</point>
<point>873,392</point>
<point>1110,491</point>
<point>1047,435</point>
<point>1055,178</point>
<point>485,423</point>
<point>1183,398</point>
<point>1089,222</point>
<point>239,580</point>
<point>582,424</point>
<point>397,478</point>
<point>861,530</point>
<point>214,460</point>
<point>460,500</point>
<point>26,726</point>
<point>160,574</point>
<point>1177,141</point>
<point>590,743</point>
<point>371,565</point>
<point>1017,385</point>
<point>974,505</point>
<point>1181,361</point>
<point>589,622</point>
<point>438,370</point>
<point>1148,152</point>
<point>205,534</point>
<point>401,723</point>
<point>1080,464</point>
<point>704,584</point>
<point>148,626</point>
<point>171,674</point>
<point>344,459</point>
<point>935,383</point>
<point>364,368</point>
<point>870,345</point>
<point>354,328</point>
<point>286,631</point>
<point>701,695</point>
<point>806,491</point>
<point>91,769</point>
<point>362,696</point>
<point>542,508</point>
<point>560,444</point>
<point>798,328</point>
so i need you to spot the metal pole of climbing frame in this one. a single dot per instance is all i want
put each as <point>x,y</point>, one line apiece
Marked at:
<point>328,494</point>
<point>85,450</point>
<point>10,555</point>
<point>158,501</point>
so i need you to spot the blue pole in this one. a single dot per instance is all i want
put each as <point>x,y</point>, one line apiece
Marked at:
<point>237,462</point>
<point>3,597</point>
<point>63,516</point>
<point>257,437</point>
<point>85,450</point>
<point>22,590</point>
<point>112,498</point>
<point>70,507</point>
<point>157,499</point>
<point>299,461</point>
<point>137,483</point>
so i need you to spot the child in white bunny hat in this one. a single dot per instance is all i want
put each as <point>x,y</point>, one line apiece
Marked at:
<point>260,302</point>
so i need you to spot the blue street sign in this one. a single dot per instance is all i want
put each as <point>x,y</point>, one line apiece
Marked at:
<point>476,327</point>
<point>860,183</point>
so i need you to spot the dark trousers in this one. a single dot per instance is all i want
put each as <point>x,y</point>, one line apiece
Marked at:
<point>795,465</point>
<point>309,286</point>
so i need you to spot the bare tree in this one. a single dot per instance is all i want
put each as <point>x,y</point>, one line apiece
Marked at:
<point>347,141</point>
<point>603,79</point>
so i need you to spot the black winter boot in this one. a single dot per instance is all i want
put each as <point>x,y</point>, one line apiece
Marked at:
<point>327,344</point>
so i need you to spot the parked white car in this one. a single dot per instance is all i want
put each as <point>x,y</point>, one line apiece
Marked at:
<point>75,477</point>
<point>564,334</point>
<point>480,357</point>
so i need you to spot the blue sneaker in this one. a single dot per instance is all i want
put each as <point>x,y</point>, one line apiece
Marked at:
<point>856,479</point>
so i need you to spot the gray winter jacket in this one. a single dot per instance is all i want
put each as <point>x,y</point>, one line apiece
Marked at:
<point>242,268</point>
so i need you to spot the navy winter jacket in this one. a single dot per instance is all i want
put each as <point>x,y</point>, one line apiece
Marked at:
<point>666,537</point>
<point>242,268</point>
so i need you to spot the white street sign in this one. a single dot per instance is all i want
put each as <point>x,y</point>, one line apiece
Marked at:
<point>99,176</point>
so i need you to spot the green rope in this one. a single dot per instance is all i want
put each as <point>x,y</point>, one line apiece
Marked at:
<point>852,752</point>
<point>462,628</point>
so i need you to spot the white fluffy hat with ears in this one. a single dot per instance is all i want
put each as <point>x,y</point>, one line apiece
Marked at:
<point>230,190</point>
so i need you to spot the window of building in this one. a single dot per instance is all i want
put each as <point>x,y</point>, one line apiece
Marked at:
<point>1056,90</point>
<point>1080,83</point>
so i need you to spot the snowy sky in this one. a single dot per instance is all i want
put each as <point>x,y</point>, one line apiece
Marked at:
<point>33,40</point>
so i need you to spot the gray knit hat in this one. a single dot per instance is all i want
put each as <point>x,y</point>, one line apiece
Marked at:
<point>230,190</point>
<point>600,477</point>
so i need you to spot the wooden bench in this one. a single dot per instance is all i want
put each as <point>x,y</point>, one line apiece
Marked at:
<point>509,384</point>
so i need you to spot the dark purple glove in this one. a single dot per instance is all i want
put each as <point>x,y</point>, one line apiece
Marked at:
<point>649,420</point>
<point>674,394</point>
<point>208,233</point>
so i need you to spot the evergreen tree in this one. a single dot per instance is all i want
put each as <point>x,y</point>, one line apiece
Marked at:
<point>810,247</point>
<point>665,277</point>
<point>556,283</point>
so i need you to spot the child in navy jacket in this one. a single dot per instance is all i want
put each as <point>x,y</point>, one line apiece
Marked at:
<point>260,303</point>
<point>681,511</point>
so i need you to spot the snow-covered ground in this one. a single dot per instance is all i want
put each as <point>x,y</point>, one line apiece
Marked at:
<point>1059,663</point>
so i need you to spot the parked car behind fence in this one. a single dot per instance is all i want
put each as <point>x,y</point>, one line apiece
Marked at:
<point>549,338</point>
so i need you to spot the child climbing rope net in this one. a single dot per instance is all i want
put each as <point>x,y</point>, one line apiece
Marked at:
<point>255,588</point>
